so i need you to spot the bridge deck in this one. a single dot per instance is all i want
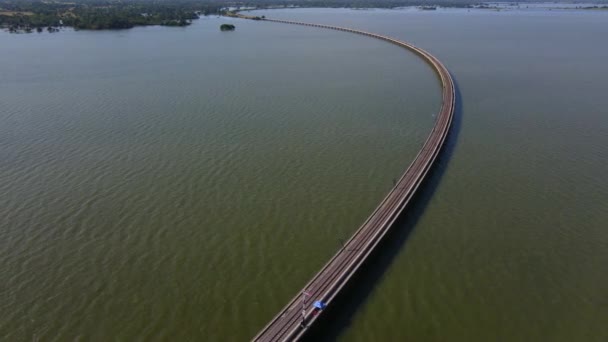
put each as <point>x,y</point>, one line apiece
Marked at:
<point>327,283</point>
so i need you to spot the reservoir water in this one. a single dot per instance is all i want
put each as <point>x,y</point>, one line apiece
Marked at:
<point>184,183</point>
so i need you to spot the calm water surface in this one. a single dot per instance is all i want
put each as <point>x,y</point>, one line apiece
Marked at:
<point>183,184</point>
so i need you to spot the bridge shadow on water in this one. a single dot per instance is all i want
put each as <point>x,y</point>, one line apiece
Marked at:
<point>338,317</point>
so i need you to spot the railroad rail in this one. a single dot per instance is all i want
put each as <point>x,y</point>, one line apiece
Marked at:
<point>294,320</point>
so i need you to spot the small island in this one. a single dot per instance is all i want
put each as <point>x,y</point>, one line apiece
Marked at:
<point>227,27</point>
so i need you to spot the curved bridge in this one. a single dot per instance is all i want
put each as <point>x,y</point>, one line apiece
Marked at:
<point>294,320</point>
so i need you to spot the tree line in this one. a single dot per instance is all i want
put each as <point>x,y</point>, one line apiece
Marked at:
<point>30,15</point>
<point>26,16</point>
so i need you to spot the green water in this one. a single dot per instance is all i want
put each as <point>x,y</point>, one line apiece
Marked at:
<point>183,184</point>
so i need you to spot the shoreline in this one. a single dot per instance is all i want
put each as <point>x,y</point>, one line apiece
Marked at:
<point>190,15</point>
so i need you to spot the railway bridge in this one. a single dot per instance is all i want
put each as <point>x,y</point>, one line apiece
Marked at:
<point>301,313</point>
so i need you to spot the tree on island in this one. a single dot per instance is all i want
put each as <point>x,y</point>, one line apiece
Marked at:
<point>227,27</point>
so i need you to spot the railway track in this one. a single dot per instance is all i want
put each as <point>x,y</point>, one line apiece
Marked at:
<point>329,281</point>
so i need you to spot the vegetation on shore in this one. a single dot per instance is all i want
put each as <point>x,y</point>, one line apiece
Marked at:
<point>30,15</point>
<point>594,7</point>
<point>50,15</point>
